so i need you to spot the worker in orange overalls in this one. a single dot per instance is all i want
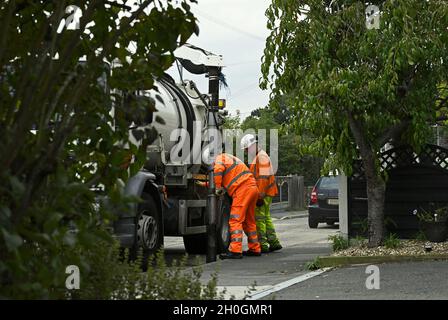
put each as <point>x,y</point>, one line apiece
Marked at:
<point>263,172</point>
<point>233,176</point>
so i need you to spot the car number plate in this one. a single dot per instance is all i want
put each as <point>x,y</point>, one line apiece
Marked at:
<point>333,202</point>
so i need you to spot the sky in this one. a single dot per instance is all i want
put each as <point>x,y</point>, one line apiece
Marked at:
<point>235,29</point>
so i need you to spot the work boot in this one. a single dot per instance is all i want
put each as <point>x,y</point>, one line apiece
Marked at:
<point>251,253</point>
<point>230,255</point>
<point>275,247</point>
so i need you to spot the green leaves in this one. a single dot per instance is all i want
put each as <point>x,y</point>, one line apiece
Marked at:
<point>52,177</point>
<point>329,63</point>
<point>17,187</point>
<point>355,89</point>
<point>12,240</point>
<point>5,214</point>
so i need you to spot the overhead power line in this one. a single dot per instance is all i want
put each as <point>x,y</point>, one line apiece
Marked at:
<point>242,62</point>
<point>228,26</point>
<point>244,90</point>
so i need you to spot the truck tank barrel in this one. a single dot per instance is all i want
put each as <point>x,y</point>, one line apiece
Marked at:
<point>177,112</point>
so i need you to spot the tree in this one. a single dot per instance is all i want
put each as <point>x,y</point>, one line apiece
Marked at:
<point>232,122</point>
<point>290,158</point>
<point>356,88</point>
<point>65,86</point>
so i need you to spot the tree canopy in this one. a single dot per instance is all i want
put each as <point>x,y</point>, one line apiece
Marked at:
<point>356,88</point>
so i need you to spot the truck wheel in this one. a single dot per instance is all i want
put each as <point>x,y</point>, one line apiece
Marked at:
<point>224,205</point>
<point>197,243</point>
<point>149,231</point>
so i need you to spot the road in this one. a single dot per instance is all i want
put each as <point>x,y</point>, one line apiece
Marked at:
<point>397,281</point>
<point>282,275</point>
<point>292,229</point>
<point>301,244</point>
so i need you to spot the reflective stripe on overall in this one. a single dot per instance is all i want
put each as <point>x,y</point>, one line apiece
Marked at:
<point>262,169</point>
<point>263,172</point>
<point>234,176</point>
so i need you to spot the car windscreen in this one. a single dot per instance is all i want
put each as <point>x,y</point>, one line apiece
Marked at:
<point>329,183</point>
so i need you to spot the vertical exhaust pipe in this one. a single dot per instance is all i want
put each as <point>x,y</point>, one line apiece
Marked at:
<point>213,90</point>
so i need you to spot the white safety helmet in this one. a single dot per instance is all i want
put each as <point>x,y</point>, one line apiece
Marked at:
<point>247,141</point>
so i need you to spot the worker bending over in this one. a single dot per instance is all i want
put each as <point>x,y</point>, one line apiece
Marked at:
<point>264,174</point>
<point>233,176</point>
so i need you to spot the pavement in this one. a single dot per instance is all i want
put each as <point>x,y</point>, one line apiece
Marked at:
<point>252,275</point>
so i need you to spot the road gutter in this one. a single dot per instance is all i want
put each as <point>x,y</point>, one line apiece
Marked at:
<point>339,261</point>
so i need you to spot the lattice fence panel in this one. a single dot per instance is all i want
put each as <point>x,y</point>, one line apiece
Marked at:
<point>430,156</point>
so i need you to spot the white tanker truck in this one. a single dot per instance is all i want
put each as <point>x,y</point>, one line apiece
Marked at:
<point>173,205</point>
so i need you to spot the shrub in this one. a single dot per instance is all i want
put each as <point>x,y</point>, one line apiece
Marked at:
<point>65,131</point>
<point>392,241</point>
<point>313,265</point>
<point>433,214</point>
<point>112,276</point>
<point>420,236</point>
<point>339,242</point>
<point>106,273</point>
<point>358,241</point>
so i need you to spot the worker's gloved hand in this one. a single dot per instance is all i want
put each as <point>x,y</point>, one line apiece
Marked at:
<point>260,202</point>
<point>201,183</point>
<point>219,192</point>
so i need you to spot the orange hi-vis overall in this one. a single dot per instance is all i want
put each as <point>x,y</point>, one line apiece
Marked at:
<point>264,174</point>
<point>234,176</point>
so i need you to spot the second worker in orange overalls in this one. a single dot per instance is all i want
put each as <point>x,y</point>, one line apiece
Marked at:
<point>233,176</point>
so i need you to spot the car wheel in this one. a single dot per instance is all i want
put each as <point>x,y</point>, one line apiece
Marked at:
<point>312,223</point>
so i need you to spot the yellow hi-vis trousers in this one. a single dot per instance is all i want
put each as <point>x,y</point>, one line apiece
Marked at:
<point>265,228</point>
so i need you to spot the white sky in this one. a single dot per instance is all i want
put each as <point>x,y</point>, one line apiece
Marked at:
<point>236,29</point>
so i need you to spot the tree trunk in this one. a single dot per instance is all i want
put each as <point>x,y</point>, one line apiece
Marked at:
<point>376,187</point>
<point>376,193</point>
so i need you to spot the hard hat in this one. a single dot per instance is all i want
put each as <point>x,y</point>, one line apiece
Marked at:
<point>208,156</point>
<point>247,141</point>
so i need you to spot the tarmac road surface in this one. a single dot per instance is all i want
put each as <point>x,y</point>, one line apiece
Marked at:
<point>300,245</point>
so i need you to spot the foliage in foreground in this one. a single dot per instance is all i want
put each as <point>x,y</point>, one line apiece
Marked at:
<point>114,277</point>
<point>106,273</point>
<point>65,121</point>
